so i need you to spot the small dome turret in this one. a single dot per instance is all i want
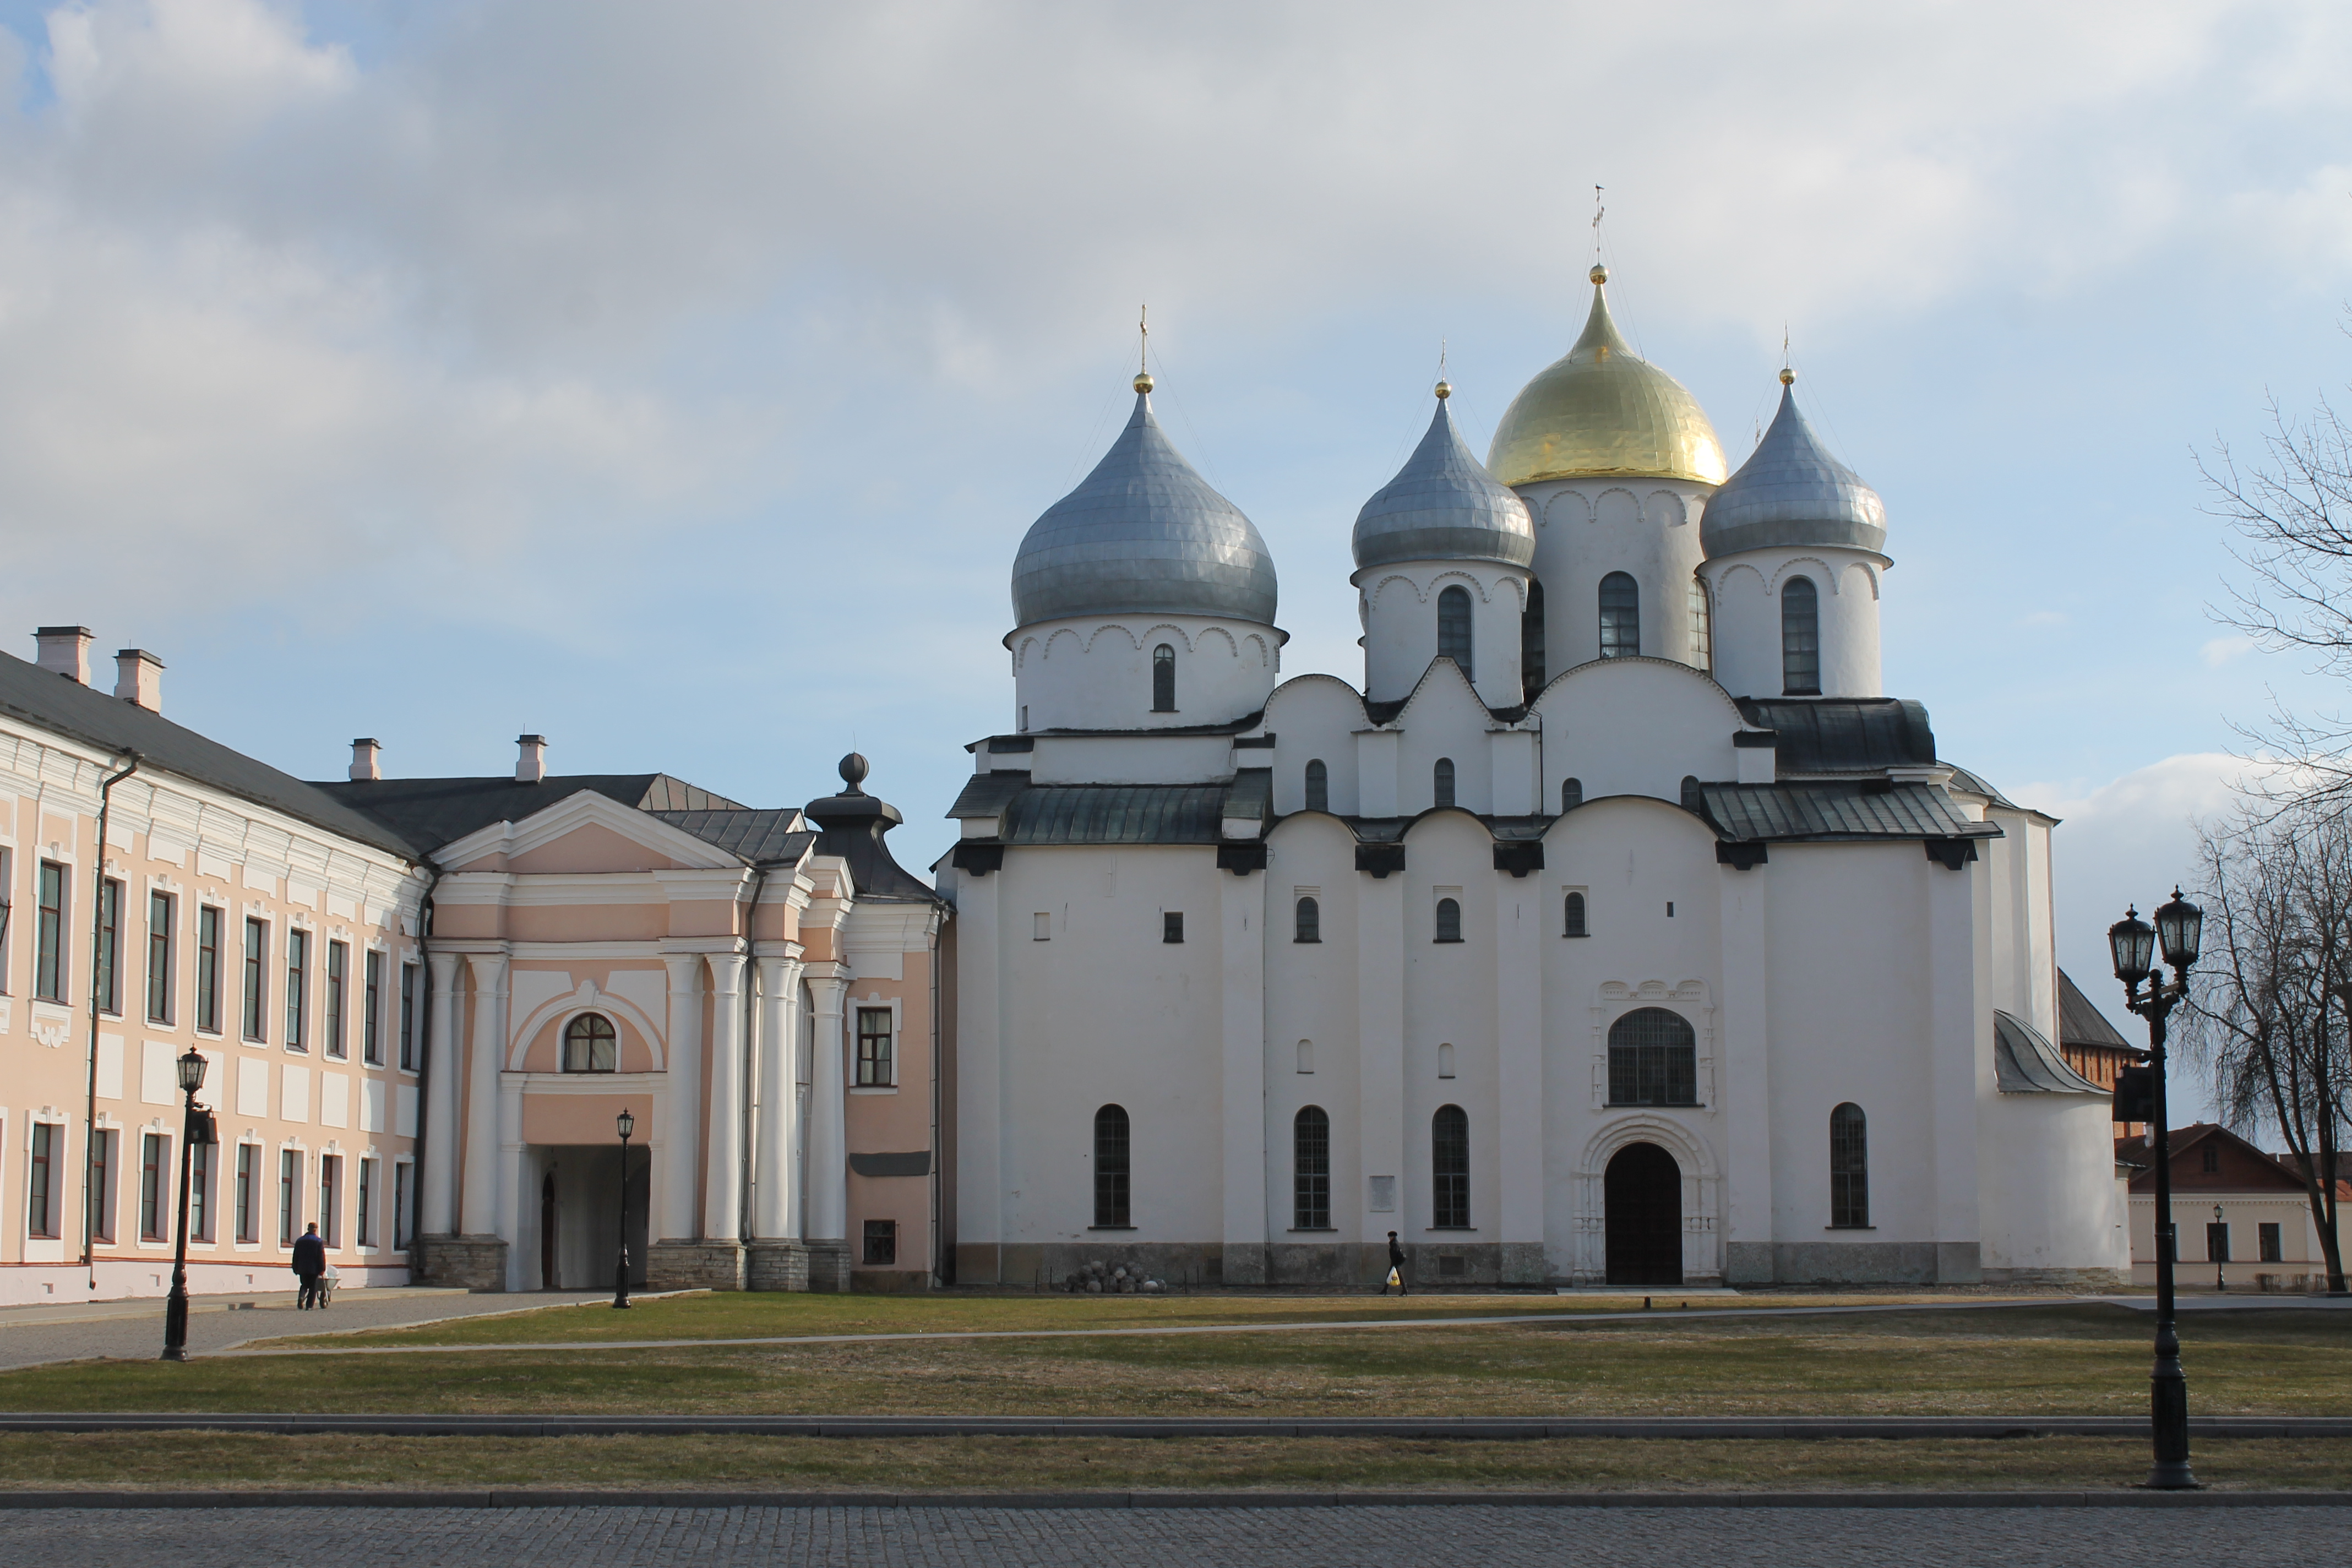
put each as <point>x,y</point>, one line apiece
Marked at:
<point>1443,505</point>
<point>1791,492</point>
<point>1143,534</point>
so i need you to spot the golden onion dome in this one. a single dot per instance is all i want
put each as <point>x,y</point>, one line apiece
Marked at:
<point>1603,409</point>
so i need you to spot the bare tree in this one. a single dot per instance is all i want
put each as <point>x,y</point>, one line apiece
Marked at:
<point>2270,1006</point>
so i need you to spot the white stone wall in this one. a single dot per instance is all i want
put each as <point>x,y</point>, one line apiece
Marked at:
<point>1094,673</point>
<point>1746,591</point>
<point>1586,528</point>
<point>1398,606</point>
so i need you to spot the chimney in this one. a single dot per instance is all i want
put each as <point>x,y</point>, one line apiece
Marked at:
<point>139,678</point>
<point>65,650</point>
<point>532,767</point>
<point>367,759</point>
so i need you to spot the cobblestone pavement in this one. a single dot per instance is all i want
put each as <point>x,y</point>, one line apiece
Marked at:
<point>1205,1537</point>
<point>141,1337</point>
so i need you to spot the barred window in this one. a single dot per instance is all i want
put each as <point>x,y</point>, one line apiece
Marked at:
<point>1800,638</point>
<point>1572,794</point>
<point>1449,1164</point>
<point>1621,616</point>
<point>1572,919</point>
<point>1849,1169</point>
<point>1702,627</point>
<point>875,1067</point>
<point>1453,627</point>
<point>1163,680</point>
<point>1449,921</point>
<point>1319,785</point>
<point>1111,1166</point>
<point>1441,781</point>
<point>1308,926</point>
<point>591,1045</point>
<point>1653,1059</point>
<point>1310,1150</point>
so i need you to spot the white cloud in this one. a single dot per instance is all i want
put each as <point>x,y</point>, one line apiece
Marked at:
<point>2218,651</point>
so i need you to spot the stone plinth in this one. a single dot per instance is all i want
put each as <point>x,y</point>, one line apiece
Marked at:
<point>694,1266</point>
<point>474,1262</point>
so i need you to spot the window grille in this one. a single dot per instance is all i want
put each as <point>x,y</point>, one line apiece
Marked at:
<point>1449,1164</point>
<point>1171,925</point>
<point>1572,794</point>
<point>1653,1059</point>
<point>1849,1169</point>
<point>1449,921</point>
<point>591,1043</point>
<point>1311,1145</point>
<point>1454,628</point>
<point>1319,785</point>
<point>881,1243</point>
<point>1572,922</point>
<point>1800,638</point>
<point>1532,642</point>
<point>1163,680</point>
<point>1621,616</point>
<point>1309,924</point>
<point>1441,781</point>
<point>877,1066</point>
<point>1110,1167</point>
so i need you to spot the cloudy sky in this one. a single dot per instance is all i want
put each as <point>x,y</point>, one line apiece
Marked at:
<point>678,380</point>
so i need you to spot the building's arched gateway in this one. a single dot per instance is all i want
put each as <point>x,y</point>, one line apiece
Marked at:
<point>1643,1190</point>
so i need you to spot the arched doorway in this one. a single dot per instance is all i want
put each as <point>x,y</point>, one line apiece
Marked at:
<point>1643,1190</point>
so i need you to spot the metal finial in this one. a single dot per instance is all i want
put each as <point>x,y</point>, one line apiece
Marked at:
<point>1445,387</point>
<point>1599,274</point>
<point>854,769</point>
<point>1788,376</point>
<point>1143,349</point>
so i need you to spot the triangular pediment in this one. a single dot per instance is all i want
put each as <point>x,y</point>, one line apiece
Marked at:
<point>584,834</point>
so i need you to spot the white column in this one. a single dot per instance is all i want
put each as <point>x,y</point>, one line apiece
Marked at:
<point>1959,1053</point>
<point>1241,910</point>
<point>1743,1068</point>
<point>1521,915</point>
<point>722,1208</point>
<point>776,1128</point>
<point>1381,964</point>
<point>437,1212</point>
<point>984,1112</point>
<point>681,1135</point>
<point>519,1214</point>
<point>827,1218</point>
<point>479,1208</point>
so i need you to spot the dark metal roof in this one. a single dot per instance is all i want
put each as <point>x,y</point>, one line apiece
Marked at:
<point>1844,734</point>
<point>854,824</point>
<point>2080,1022</point>
<point>1831,811</point>
<point>761,838</point>
<point>1976,783</point>
<point>57,703</point>
<point>1251,795</point>
<point>1116,814</point>
<point>986,794</point>
<point>431,813</point>
<point>2025,1062</point>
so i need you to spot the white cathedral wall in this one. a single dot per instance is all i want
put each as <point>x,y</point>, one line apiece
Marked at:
<point>1746,591</point>
<point>1588,528</point>
<point>1397,607</point>
<point>1094,673</point>
<point>1634,727</point>
<point>2054,1212</point>
<point>1449,999</point>
<point>1315,717</point>
<point>1312,1021</point>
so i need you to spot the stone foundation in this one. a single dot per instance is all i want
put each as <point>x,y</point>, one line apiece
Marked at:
<point>2100,1280</point>
<point>694,1266</point>
<point>800,1266</point>
<point>1852,1263</point>
<point>473,1262</point>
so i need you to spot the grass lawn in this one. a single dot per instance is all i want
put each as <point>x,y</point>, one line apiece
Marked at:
<point>2075,1359</point>
<point>202,1460</point>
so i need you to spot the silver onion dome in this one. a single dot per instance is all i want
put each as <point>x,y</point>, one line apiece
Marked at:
<point>1791,491</point>
<point>1143,534</point>
<point>1443,505</point>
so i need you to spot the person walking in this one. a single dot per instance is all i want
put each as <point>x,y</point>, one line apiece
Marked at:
<point>1396,1269</point>
<point>310,1262</point>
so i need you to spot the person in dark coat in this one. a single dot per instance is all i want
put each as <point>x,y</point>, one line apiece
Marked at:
<point>310,1263</point>
<point>1396,1268</point>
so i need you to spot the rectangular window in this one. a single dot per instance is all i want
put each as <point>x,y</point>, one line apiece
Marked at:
<point>41,1190</point>
<point>8,905</point>
<point>155,1183</point>
<point>297,988</point>
<point>200,1192</point>
<point>249,1206</point>
<point>408,1017</point>
<point>371,1009</point>
<point>364,1221</point>
<point>256,989</point>
<point>110,946</point>
<point>881,1242</point>
<point>49,936</point>
<point>209,969</point>
<point>875,1067</point>
<point>331,1211</point>
<point>159,957</point>
<point>400,1175</point>
<point>2216,1243</point>
<point>339,965</point>
<point>1041,927</point>
<point>2267,1238</point>
<point>1171,925</point>
<point>290,1196</point>
<point>101,1189</point>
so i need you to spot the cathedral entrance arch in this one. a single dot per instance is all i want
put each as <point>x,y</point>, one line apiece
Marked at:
<point>1642,1197</point>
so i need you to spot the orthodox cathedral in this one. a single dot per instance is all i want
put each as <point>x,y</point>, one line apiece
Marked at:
<point>1619,929</point>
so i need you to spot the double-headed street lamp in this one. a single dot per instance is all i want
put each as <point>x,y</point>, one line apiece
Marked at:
<point>626,1124</point>
<point>2180,926</point>
<point>195,1129</point>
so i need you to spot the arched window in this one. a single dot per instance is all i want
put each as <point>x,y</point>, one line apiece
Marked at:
<point>1319,785</point>
<point>1532,642</point>
<point>1800,638</point>
<point>1572,794</point>
<point>1111,1166</point>
<point>1441,781</point>
<point>1693,798</point>
<point>1306,1056</point>
<point>1308,925</point>
<point>1572,923</point>
<point>1653,1059</point>
<point>1163,680</point>
<point>1311,1167</point>
<point>589,1044</point>
<point>1449,921</point>
<point>1621,616</point>
<point>1849,1169</point>
<point>1702,621</point>
<point>1445,1059</point>
<point>1449,1169</point>
<point>1453,627</point>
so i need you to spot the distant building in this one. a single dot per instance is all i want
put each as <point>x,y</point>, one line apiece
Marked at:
<point>2091,1044</point>
<point>2262,1236</point>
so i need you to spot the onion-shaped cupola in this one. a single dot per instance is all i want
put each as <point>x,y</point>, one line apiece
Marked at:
<point>1143,534</point>
<point>1602,409</point>
<point>1791,492</point>
<point>1443,505</point>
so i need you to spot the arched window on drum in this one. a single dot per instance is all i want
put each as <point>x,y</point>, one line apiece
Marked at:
<point>591,1045</point>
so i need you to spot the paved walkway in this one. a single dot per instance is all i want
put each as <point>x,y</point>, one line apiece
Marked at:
<point>1209,1537</point>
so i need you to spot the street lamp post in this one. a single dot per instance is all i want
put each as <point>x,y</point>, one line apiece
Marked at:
<point>2219,1258</point>
<point>626,1124</point>
<point>195,1128</point>
<point>2180,926</point>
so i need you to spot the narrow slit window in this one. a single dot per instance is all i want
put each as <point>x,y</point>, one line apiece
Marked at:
<point>1449,921</point>
<point>110,946</point>
<point>1308,923</point>
<point>256,989</point>
<point>1849,1169</point>
<point>1800,638</point>
<point>298,989</point>
<point>1454,628</point>
<point>339,976</point>
<point>159,958</point>
<point>1621,616</point>
<point>1702,627</point>
<point>1319,785</point>
<point>1111,1192</point>
<point>1310,1189</point>
<point>1532,642</point>
<point>1441,781</point>
<point>1449,1162</point>
<point>208,968</point>
<point>1573,915</point>
<point>50,933</point>
<point>1163,680</point>
<point>1572,794</point>
<point>372,1012</point>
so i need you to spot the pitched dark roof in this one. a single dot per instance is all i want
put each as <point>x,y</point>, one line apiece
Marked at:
<point>986,794</point>
<point>1116,814</point>
<point>762,837</point>
<point>53,701</point>
<point>1844,734</point>
<point>2080,1022</point>
<point>2025,1062</point>
<point>1832,811</point>
<point>430,813</point>
<point>854,825</point>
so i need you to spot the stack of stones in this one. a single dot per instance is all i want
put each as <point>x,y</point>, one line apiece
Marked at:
<point>1100,1279</point>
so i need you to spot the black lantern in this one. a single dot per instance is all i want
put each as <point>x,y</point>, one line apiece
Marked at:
<point>626,1125</point>
<point>192,1072</point>
<point>2180,926</point>
<point>2132,941</point>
